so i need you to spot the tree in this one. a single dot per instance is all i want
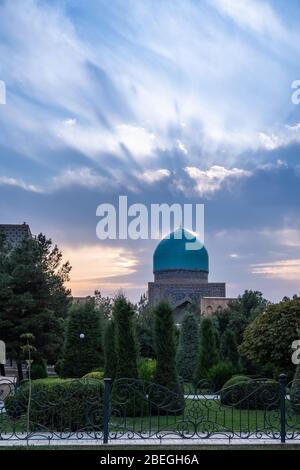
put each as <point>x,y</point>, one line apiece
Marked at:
<point>104,304</point>
<point>229,349</point>
<point>208,354</point>
<point>268,339</point>
<point>295,391</point>
<point>166,372</point>
<point>126,348</point>
<point>110,350</point>
<point>187,353</point>
<point>144,328</point>
<point>82,355</point>
<point>240,313</point>
<point>33,297</point>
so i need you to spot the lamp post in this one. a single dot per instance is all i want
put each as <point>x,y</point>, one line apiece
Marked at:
<point>81,338</point>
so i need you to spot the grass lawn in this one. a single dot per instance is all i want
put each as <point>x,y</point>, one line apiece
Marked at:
<point>200,416</point>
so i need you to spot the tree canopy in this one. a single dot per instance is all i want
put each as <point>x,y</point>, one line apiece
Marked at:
<point>33,296</point>
<point>268,339</point>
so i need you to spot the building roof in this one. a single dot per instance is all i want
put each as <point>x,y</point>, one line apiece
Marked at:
<point>173,252</point>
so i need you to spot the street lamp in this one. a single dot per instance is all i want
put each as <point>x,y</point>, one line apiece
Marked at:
<point>81,338</point>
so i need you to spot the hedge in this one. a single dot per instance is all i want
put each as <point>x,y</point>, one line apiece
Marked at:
<point>61,405</point>
<point>244,393</point>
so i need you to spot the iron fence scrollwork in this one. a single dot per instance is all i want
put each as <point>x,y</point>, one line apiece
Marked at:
<point>135,409</point>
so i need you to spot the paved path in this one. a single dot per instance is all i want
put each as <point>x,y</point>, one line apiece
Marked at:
<point>148,442</point>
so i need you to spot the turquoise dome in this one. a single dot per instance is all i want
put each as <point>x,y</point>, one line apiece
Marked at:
<point>171,253</point>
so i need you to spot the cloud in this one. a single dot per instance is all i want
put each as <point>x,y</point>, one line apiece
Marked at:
<point>19,183</point>
<point>257,16</point>
<point>94,141</point>
<point>84,177</point>
<point>99,266</point>
<point>154,176</point>
<point>288,269</point>
<point>212,180</point>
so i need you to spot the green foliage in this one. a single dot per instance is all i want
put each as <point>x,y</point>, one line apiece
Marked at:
<point>295,391</point>
<point>33,297</point>
<point>110,353</point>
<point>39,369</point>
<point>80,356</point>
<point>236,379</point>
<point>126,348</point>
<point>58,367</point>
<point>144,328</point>
<point>219,374</point>
<point>268,339</point>
<point>166,372</point>
<point>94,375</point>
<point>208,354</point>
<point>59,405</point>
<point>104,305</point>
<point>147,369</point>
<point>251,394</point>
<point>188,349</point>
<point>229,349</point>
<point>240,313</point>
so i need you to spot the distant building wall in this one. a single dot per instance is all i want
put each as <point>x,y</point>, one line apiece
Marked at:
<point>210,305</point>
<point>15,233</point>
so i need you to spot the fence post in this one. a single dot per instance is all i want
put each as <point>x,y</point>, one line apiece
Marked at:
<point>282,383</point>
<point>106,406</point>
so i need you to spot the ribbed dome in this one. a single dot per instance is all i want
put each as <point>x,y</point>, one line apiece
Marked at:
<point>171,253</point>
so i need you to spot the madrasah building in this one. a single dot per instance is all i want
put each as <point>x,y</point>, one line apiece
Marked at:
<point>181,276</point>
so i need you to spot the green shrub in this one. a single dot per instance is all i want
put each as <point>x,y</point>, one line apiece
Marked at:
<point>59,405</point>
<point>219,374</point>
<point>236,379</point>
<point>58,367</point>
<point>94,375</point>
<point>295,391</point>
<point>146,369</point>
<point>245,393</point>
<point>39,370</point>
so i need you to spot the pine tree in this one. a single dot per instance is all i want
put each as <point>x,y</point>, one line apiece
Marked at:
<point>110,350</point>
<point>166,372</point>
<point>208,354</point>
<point>187,353</point>
<point>82,355</point>
<point>126,348</point>
<point>229,349</point>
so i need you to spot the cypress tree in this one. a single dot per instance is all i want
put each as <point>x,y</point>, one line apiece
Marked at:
<point>229,349</point>
<point>208,354</point>
<point>166,373</point>
<point>110,350</point>
<point>187,353</point>
<point>81,356</point>
<point>126,348</point>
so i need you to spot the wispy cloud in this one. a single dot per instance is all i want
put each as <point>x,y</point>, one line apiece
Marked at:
<point>288,269</point>
<point>154,176</point>
<point>212,180</point>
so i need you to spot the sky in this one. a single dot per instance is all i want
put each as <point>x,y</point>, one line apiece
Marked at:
<point>174,101</point>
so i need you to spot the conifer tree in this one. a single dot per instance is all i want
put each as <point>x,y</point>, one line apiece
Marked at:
<point>208,354</point>
<point>229,349</point>
<point>126,348</point>
<point>187,353</point>
<point>166,372</point>
<point>82,355</point>
<point>110,350</point>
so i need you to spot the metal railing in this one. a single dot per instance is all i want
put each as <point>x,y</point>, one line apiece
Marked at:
<point>85,409</point>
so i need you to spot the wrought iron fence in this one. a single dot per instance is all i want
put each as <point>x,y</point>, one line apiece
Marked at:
<point>134,409</point>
